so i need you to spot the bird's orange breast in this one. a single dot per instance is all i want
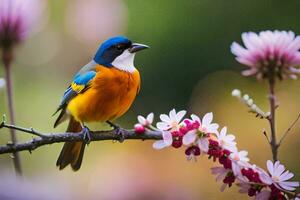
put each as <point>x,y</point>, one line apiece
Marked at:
<point>110,95</point>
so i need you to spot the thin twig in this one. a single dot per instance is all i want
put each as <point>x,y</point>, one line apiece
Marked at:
<point>266,135</point>
<point>51,138</point>
<point>289,129</point>
<point>25,130</point>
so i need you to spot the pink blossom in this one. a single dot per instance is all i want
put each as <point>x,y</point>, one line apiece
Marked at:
<point>199,136</point>
<point>279,176</point>
<point>221,173</point>
<point>143,123</point>
<point>226,141</point>
<point>146,121</point>
<point>239,160</point>
<point>206,125</point>
<point>193,137</point>
<point>18,18</point>
<point>203,136</point>
<point>274,53</point>
<point>171,122</point>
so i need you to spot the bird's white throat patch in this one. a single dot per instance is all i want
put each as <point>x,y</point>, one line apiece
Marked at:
<point>125,61</point>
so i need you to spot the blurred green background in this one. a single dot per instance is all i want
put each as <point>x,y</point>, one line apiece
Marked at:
<point>189,66</point>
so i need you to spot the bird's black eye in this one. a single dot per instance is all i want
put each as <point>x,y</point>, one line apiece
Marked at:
<point>119,47</point>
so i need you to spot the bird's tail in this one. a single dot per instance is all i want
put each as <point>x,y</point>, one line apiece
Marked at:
<point>72,152</point>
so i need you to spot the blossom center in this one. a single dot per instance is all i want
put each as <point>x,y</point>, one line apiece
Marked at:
<point>200,133</point>
<point>236,158</point>
<point>276,178</point>
<point>174,125</point>
<point>203,129</point>
<point>223,142</point>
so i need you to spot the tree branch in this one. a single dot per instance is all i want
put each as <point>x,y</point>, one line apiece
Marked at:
<point>50,138</point>
<point>289,129</point>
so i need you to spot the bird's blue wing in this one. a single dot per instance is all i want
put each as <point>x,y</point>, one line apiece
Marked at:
<point>81,83</point>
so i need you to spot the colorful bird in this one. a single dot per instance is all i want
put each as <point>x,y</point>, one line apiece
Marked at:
<point>101,91</point>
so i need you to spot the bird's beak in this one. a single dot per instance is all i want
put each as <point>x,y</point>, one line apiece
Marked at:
<point>135,47</point>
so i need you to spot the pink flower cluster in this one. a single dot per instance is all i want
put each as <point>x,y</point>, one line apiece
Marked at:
<point>269,54</point>
<point>202,137</point>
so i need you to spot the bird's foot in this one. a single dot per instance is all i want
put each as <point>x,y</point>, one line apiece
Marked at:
<point>118,130</point>
<point>86,134</point>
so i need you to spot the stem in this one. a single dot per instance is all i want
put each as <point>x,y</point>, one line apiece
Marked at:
<point>7,58</point>
<point>272,98</point>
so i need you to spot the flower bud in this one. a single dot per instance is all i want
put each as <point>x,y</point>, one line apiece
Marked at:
<point>138,128</point>
<point>236,93</point>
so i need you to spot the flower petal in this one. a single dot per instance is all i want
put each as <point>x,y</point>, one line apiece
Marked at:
<point>207,119</point>
<point>141,119</point>
<point>265,178</point>
<point>172,115</point>
<point>150,118</point>
<point>223,187</point>
<point>243,156</point>
<point>168,138</point>
<point>263,195</point>
<point>189,138</point>
<point>236,169</point>
<point>223,131</point>
<point>180,115</point>
<point>279,170</point>
<point>203,144</point>
<point>160,144</point>
<point>290,186</point>
<point>195,118</point>
<point>165,118</point>
<point>270,167</point>
<point>162,126</point>
<point>286,176</point>
<point>213,128</point>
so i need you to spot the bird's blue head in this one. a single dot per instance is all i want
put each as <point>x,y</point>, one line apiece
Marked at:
<point>113,48</point>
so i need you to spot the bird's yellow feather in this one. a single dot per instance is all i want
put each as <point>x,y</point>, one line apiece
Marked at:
<point>110,95</point>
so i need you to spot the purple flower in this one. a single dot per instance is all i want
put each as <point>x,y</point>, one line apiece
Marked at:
<point>279,177</point>
<point>269,54</point>
<point>18,18</point>
<point>221,173</point>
